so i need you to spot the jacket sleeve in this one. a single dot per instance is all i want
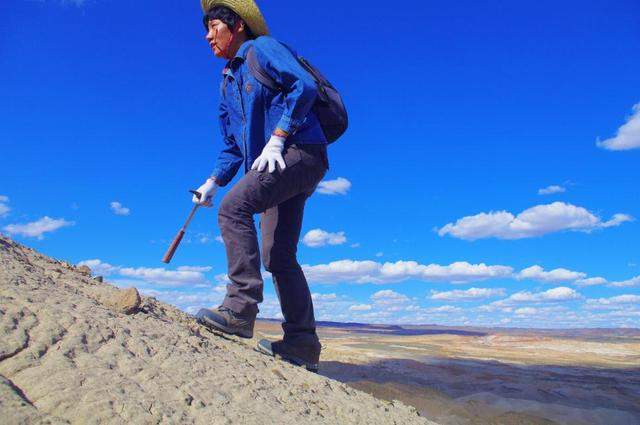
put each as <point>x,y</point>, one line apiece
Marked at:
<point>300,89</point>
<point>230,157</point>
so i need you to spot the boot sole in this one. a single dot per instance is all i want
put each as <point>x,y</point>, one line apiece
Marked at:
<point>311,367</point>
<point>203,320</point>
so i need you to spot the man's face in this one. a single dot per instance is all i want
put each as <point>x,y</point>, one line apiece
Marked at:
<point>218,37</point>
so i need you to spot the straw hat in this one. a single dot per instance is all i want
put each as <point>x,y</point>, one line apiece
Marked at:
<point>247,9</point>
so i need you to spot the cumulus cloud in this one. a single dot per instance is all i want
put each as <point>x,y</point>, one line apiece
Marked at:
<point>556,275</point>
<point>342,271</point>
<point>552,296</point>
<point>591,281</point>
<point>533,222</point>
<point>317,237</point>
<point>183,276</point>
<point>163,276</point>
<point>37,229</point>
<point>202,269</point>
<point>389,297</point>
<point>119,209</point>
<point>620,301</point>
<point>467,295</point>
<point>323,297</point>
<point>628,135</point>
<point>374,272</point>
<point>525,311</point>
<point>339,186</point>
<point>99,268</point>
<point>360,307</point>
<point>633,282</point>
<point>551,190</point>
<point>558,294</point>
<point>4,208</point>
<point>444,309</point>
<point>222,278</point>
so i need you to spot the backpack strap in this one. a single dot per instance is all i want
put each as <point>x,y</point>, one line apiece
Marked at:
<point>259,73</point>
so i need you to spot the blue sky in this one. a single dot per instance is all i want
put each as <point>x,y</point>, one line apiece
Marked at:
<point>489,176</point>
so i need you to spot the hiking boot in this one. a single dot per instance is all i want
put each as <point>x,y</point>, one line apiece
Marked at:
<point>300,355</point>
<point>227,321</point>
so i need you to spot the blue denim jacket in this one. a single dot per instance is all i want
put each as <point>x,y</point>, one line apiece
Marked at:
<point>250,112</point>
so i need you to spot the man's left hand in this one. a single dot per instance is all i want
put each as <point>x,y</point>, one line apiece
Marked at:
<point>271,155</point>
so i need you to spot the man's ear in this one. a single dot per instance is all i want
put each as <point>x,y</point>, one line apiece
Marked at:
<point>242,27</point>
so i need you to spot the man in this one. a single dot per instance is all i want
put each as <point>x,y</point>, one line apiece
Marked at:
<point>278,140</point>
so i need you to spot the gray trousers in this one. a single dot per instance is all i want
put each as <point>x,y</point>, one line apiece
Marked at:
<point>280,198</point>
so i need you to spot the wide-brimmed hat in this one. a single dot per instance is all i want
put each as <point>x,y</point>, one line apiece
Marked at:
<point>248,10</point>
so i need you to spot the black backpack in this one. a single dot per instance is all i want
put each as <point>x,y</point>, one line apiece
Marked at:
<point>328,107</point>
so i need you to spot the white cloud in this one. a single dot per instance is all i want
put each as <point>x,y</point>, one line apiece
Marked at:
<point>379,254</point>
<point>360,307</point>
<point>222,278</point>
<point>550,190</point>
<point>374,272</point>
<point>591,281</point>
<point>533,222</point>
<point>119,209</point>
<point>458,272</point>
<point>341,271</point>
<point>628,135</point>
<point>99,268</point>
<point>4,208</point>
<point>317,237</point>
<point>558,294</point>
<point>389,297</point>
<point>37,229</point>
<point>339,186</point>
<point>633,282</point>
<point>219,239</point>
<point>355,245</point>
<point>617,220</point>
<point>323,297</point>
<point>202,269</point>
<point>620,301</point>
<point>183,276</point>
<point>526,311</point>
<point>552,296</point>
<point>467,295</point>
<point>557,275</point>
<point>163,276</point>
<point>444,309</point>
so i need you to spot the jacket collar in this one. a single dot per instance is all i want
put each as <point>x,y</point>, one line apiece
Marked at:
<point>240,56</point>
<point>242,51</point>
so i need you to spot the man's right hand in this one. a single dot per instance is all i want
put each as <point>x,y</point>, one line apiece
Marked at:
<point>207,192</point>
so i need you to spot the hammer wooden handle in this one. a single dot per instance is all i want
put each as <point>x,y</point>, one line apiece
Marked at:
<point>172,248</point>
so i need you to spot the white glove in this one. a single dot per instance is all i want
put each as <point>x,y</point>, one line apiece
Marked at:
<point>271,154</point>
<point>207,192</point>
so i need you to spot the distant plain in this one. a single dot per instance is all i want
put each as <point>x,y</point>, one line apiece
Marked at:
<point>489,376</point>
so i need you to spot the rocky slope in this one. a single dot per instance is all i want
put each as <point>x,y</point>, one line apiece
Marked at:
<point>70,353</point>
